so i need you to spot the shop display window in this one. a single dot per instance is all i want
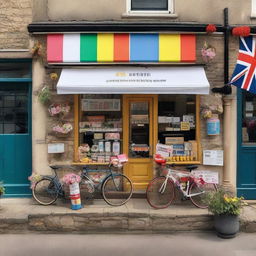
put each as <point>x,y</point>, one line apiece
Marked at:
<point>139,130</point>
<point>177,121</point>
<point>100,128</point>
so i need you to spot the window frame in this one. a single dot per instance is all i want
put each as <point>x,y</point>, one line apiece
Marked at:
<point>253,8</point>
<point>169,11</point>
<point>155,129</point>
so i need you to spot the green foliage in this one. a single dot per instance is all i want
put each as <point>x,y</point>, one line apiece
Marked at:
<point>221,203</point>
<point>44,95</point>
<point>2,189</point>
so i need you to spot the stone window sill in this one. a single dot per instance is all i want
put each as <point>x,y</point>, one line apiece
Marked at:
<point>150,15</point>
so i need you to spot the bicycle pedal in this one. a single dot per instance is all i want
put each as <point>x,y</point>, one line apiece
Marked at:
<point>184,198</point>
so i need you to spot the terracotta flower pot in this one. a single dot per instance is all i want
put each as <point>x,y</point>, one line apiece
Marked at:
<point>227,226</point>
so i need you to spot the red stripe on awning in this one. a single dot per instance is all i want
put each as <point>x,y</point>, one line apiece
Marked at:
<point>188,48</point>
<point>121,47</point>
<point>55,48</point>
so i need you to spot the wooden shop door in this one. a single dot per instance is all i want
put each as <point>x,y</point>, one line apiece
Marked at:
<point>140,131</point>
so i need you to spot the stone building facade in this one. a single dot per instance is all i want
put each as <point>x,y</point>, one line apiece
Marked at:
<point>83,12</point>
<point>15,86</point>
<point>15,16</point>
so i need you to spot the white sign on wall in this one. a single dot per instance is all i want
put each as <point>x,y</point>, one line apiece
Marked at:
<point>207,176</point>
<point>56,148</point>
<point>213,157</point>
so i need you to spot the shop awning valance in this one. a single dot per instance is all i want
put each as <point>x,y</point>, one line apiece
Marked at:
<point>134,80</point>
<point>120,47</point>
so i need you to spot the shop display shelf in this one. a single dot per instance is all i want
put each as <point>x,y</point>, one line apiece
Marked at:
<point>91,163</point>
<point>183,162</point>
<point>100,130</point>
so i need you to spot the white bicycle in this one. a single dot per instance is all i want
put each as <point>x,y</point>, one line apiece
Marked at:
<point>161,190</point>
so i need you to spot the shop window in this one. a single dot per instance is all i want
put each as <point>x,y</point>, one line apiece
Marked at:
<point>13,109</point>
<point>164,6</point>
<point>15,70</point>
<point>100,128</point>
<point>178,137</point>
<point>248,117</point>
<point>253,8</point>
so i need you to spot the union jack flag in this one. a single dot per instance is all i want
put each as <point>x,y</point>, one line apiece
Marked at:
<point>245,70</point>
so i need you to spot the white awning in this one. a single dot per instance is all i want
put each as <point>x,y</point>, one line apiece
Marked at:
<point>134,80</point>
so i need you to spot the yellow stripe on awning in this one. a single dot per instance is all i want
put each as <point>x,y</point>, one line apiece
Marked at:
<point>169,47</point>
<point>105,44</point>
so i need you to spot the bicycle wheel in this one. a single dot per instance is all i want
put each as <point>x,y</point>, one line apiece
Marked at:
<point>45,191</point>
<point>117,189</point>
<point>203,189</point>
<point>160,199</point>
<point>86,189</point>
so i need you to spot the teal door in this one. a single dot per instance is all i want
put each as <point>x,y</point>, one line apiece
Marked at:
<point>246,144</point>
<point>15,126</point>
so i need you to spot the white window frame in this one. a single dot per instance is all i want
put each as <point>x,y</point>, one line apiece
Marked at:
<point>253,10</point>
<point>169,11</point>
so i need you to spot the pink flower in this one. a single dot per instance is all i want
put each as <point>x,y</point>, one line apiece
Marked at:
<point>71,178</point>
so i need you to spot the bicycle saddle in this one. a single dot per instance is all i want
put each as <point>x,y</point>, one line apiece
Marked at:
<point>159,159</point>
<point>191,167</point>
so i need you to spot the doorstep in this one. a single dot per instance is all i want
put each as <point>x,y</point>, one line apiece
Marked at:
<point>25,215</point>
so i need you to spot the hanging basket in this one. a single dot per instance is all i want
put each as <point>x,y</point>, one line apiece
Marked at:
<point>208,52</point>
<point>62,135</point>
<point>59,109</point>
<point>211,28</point>
<point>62,130</point>
<point>241,31</point>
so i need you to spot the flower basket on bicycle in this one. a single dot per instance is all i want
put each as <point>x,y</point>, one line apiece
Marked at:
<point>73,181</point>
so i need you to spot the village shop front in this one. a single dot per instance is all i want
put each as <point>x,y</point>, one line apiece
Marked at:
<point>129,93</point>
<point>138,124</point>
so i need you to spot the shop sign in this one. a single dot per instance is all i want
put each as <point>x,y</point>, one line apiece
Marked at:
<point>207,176</point>
<point>184,126</point>
<point>164,150</point>
<point>213,157</point>
<point>56,148</point>
<point>213,126</point>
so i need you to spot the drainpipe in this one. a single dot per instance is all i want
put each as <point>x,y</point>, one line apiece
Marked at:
<point>227,100</point>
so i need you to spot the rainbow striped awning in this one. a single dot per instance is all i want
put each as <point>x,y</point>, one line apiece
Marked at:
<point>129,47</point>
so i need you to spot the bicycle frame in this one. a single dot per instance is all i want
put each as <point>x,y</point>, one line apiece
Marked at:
<point>57,183</point>
<point>95,185</point>
<point>178,185</point>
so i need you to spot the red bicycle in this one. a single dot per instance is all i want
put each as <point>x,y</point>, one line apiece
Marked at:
<point>161,190</point>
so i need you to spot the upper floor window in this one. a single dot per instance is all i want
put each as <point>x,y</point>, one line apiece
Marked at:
<point>253,13</point>
<point>150,6</point>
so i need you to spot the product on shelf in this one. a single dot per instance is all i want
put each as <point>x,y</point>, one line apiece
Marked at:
<point>112,136</point>
<point>116,148</point>
<point>101,129</point>
<point>107,146</point>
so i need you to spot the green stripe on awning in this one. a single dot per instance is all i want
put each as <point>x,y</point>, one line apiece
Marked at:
<point>88,47</point>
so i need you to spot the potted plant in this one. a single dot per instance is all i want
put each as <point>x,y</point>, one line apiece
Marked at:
<point>44,95</point>
<point>226,210</point>
<point>2,189</point>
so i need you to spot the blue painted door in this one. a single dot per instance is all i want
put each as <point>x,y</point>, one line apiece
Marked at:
<point>15,137</point>
<point>246,144</point>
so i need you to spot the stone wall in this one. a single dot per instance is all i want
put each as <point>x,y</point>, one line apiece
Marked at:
<point>184,10</point>
<point>14,18</point>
